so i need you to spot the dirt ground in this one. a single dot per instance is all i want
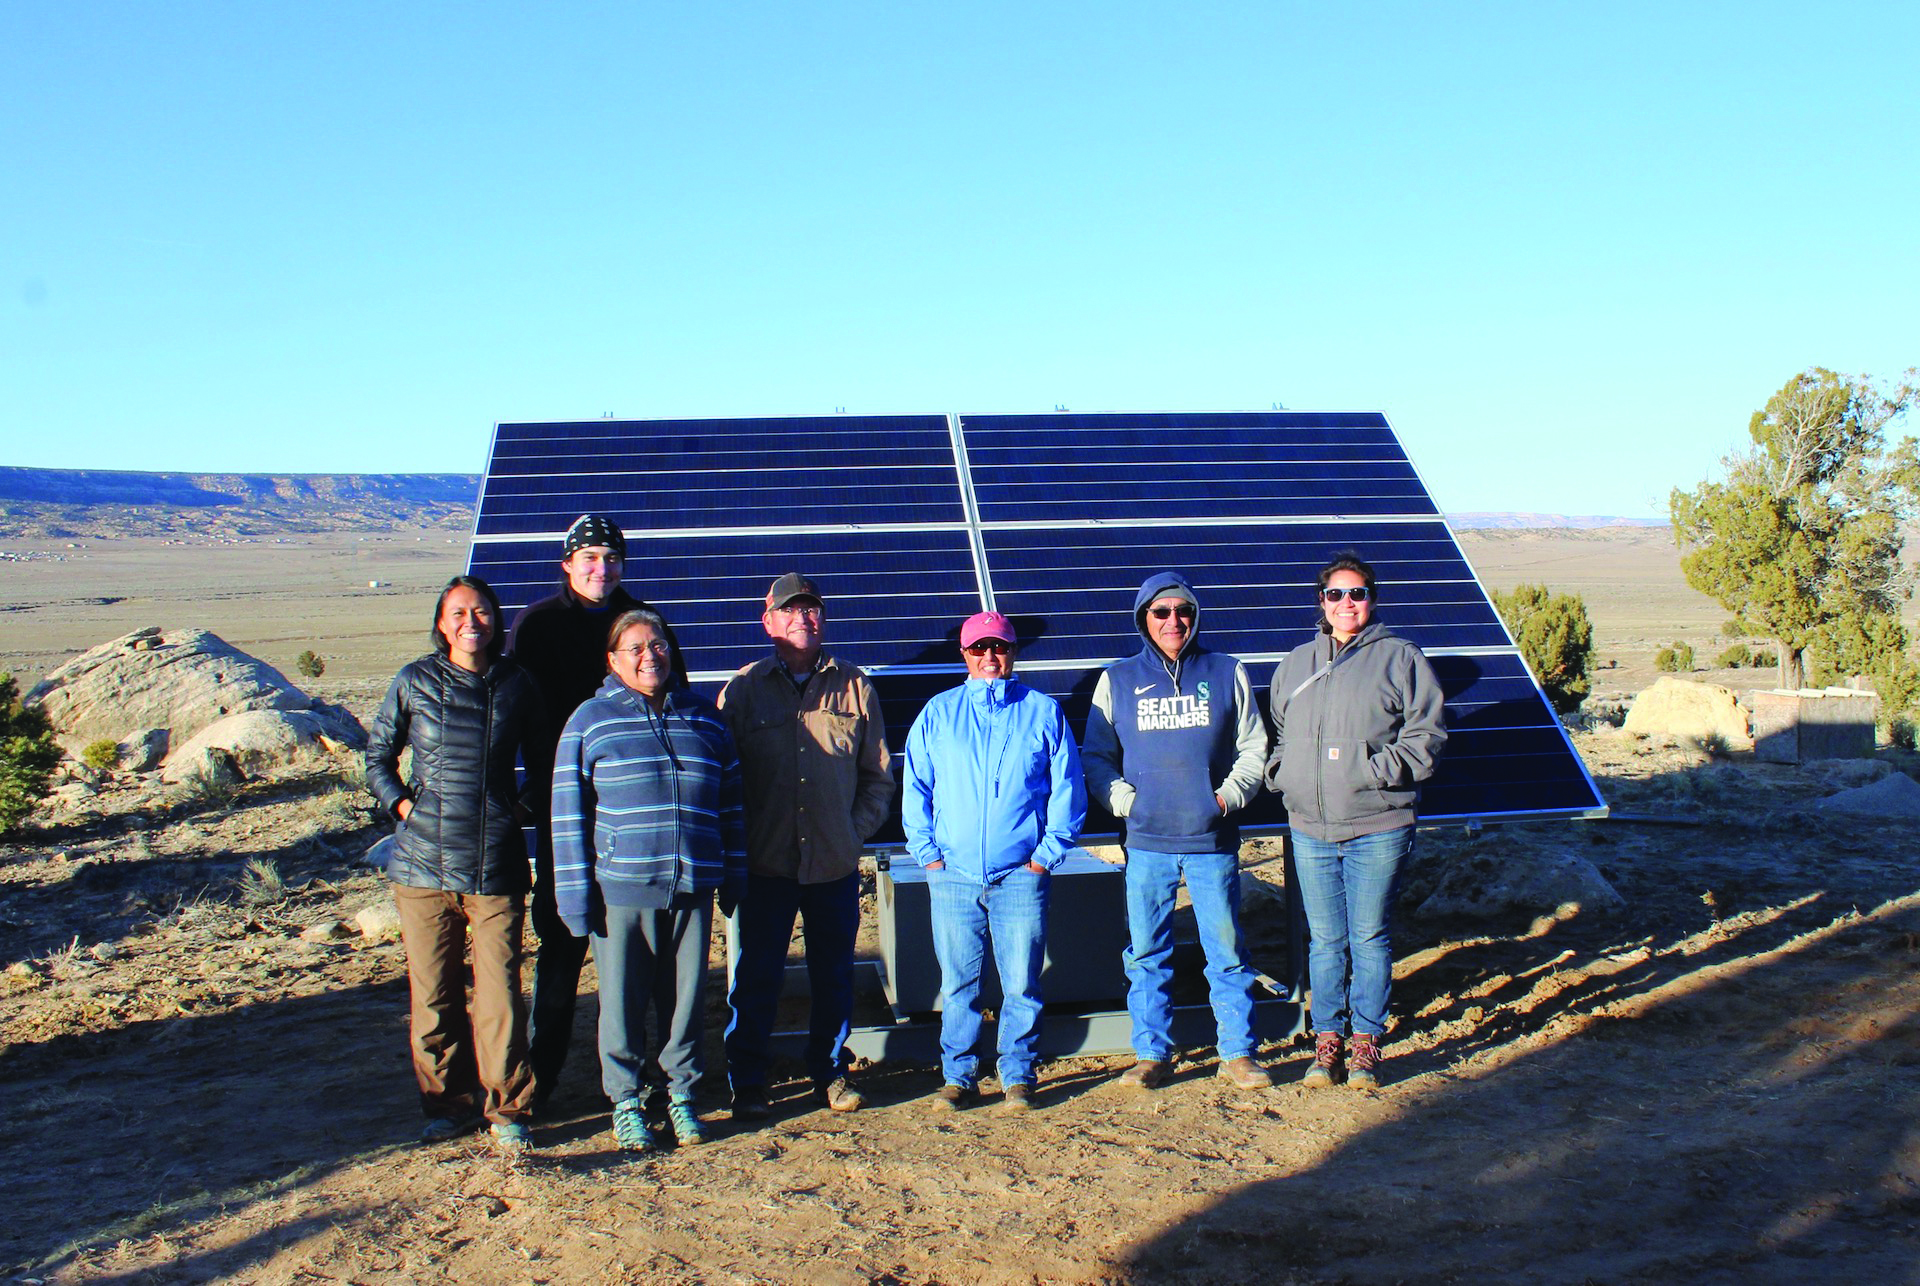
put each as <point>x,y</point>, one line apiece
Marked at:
<point>1716,1084</point>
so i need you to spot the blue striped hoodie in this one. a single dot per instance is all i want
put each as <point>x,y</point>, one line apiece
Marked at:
<point>646,805</point>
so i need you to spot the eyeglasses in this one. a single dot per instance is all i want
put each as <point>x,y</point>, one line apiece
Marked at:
<point>800,609</point>
<point>1184,612</point>
<point>1333,594</point>
<point>636,650</point>
<point>984,646</point>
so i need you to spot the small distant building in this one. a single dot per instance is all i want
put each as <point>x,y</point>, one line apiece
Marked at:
<point>1793,726</point>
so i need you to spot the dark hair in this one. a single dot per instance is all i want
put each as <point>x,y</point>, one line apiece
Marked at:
<point>1347,560</point>
<point>495,645</point>
<point>638,616</point>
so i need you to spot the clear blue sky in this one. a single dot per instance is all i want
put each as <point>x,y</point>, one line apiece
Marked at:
<point>1567,249</point>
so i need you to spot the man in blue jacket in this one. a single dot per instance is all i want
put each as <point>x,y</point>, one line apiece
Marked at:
<point>992,801</point>
<point>1175,746</point>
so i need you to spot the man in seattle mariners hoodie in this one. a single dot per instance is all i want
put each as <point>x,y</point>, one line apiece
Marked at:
<point>992,800</point>
<point>1175,746</point>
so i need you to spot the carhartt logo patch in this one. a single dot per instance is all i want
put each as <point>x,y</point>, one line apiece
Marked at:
<point>1333,752</point>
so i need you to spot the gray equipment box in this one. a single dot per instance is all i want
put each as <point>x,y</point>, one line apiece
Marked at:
<point>1086,932</point>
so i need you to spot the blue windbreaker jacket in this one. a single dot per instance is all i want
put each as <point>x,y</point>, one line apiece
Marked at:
<point>992,781</point>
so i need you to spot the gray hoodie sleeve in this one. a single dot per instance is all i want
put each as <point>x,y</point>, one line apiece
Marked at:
<point>1410,757</point>
<point>1101,754</point>
<point>1250,746</point>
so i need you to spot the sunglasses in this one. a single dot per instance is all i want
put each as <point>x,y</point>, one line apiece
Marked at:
<point>1184,612</point>
<point>985,646</point>
<point>1333,594</point>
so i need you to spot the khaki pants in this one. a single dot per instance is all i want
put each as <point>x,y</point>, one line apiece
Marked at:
<point>466,1065</point>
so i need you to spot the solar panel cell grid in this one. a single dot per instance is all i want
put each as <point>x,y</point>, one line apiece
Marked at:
<point>1071,513</point>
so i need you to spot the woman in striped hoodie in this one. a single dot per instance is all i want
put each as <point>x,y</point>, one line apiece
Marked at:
<point>647,827</point>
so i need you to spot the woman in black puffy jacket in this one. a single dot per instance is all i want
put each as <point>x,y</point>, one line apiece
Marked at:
<point>459,864</point>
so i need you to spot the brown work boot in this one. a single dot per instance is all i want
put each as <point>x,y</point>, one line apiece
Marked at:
<point>1326,1061</point>
<point>1363,1062</point>
<point>951,1098</point>
<point>1147,1074</point>
<point>1016,1099</point>
<point>841,1095</point>
<point>1245,1074</point>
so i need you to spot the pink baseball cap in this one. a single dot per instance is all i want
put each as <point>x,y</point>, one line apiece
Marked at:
<point>986,625</point>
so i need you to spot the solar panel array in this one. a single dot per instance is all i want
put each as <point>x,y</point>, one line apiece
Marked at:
<point>912,523</point>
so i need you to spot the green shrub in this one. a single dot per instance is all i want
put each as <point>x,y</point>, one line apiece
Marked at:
<point>1677,659</point>
<point>310,664</point>
<point>1764,657</point>
<point>1734,657</point>
<point>1554,634</point>
<point>27,756</point>
<point>102,755</point>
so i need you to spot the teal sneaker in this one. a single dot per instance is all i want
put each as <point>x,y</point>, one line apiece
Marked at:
<point>630,1132</point>
<point>688,1128</point>
<point>512,1139</point>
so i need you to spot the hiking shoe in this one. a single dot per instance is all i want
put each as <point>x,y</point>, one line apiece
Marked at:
<point>951,1098</point>
<point>630,1132</point>
<point>1245,1074</point>
<point>1147,1074</point>
<point>1363,1062</point>
<point>511,1139</point>
<point>1016,1100</point>
<point>841,1095</point>
<point>442,1129</point>
<point>688,1129</point>
<point>1326,1061</point>
<point>750,1103</point>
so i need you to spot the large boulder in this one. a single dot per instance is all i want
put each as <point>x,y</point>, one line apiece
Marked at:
<point>1688,711</point>
<point>262,742</point>
<point>163,688</point>
<point>1478,885</point>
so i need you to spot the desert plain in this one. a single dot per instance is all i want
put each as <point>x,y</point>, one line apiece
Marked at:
<point>1715,1081</point>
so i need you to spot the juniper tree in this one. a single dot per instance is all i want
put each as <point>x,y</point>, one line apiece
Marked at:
<point>1801,539</point>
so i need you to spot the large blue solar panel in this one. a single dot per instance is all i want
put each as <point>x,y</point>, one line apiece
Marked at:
<point>910,523</point>
<point>1129,468</point>
<point>670,475</point>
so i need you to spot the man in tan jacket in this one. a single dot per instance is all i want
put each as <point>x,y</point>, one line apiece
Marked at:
<point>813,755</point>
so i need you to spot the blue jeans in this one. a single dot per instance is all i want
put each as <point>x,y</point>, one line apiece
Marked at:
<point>1347,887</point>
<point>1014,912</point>
<point>830,919</point>
<point>1213,882</point>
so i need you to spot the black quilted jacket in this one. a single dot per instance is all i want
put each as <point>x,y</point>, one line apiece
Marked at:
<point>464,730</point>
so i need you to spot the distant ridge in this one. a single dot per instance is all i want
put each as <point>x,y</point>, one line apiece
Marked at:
<point>107,502</point>
<point>1576,522</point>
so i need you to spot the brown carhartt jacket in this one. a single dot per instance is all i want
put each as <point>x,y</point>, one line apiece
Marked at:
<point>815,767</point>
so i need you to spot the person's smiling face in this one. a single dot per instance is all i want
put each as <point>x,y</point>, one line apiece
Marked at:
<point>988,659</point>
<point>641,659</point>
<point>1346,615</point>
<point>466,623</point>
<point>593,572</point>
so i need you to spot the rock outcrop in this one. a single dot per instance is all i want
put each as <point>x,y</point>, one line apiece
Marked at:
<point>260,742</point>
<point>1477,885</point>
<point>1688,711</point>
<point>194,698</point>
<point>1894,796</point>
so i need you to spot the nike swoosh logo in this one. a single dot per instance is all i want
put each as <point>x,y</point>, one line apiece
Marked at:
<point>1150,687</point>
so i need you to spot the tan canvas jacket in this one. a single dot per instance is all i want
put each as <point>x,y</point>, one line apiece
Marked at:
<point>815,764</point>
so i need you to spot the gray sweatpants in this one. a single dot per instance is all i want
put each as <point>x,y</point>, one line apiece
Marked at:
<point>643,954</point>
